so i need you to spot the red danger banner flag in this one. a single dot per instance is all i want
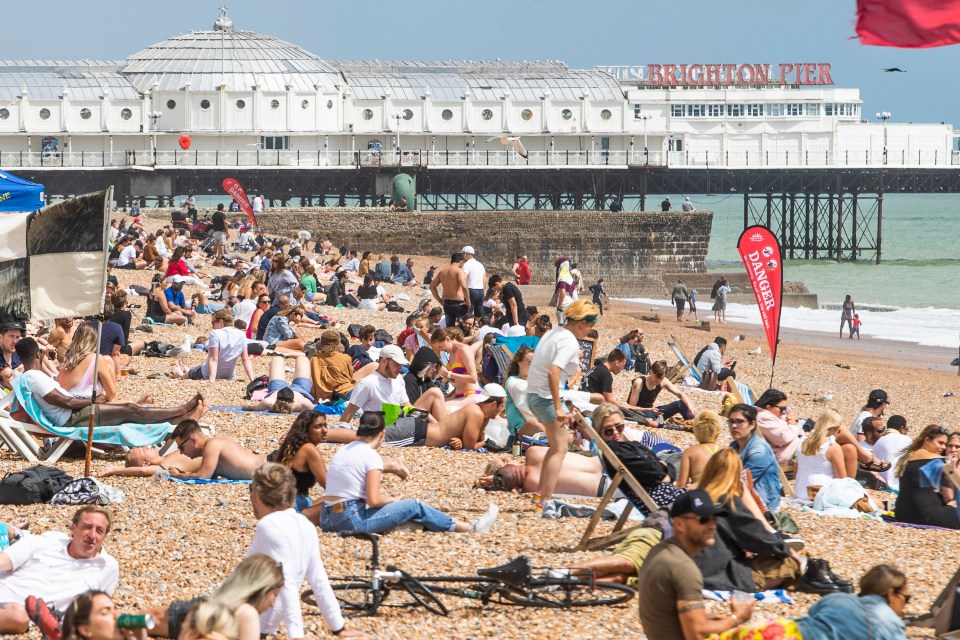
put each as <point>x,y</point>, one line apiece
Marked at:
<point>234,190</point>
<point>908,23</point>
<point>760,253</point>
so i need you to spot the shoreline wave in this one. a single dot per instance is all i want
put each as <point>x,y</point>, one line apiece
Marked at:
<point>931,326</point>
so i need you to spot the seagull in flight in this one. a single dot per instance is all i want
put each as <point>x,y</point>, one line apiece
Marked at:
<point>511,141</point>
<point>895,70</point>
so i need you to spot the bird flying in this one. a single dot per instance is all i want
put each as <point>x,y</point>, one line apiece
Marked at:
<point>895,70</point>
<point>512,141</point>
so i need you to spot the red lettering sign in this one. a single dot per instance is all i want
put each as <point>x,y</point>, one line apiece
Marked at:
<point>234,190</point>
<point>760,252</point>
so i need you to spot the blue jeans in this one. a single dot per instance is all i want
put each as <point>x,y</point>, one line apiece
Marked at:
<point>357,515</point>
<point>302,501</point>
<point>212,306</point>
<point>673,408</point>
<point>476,302</point>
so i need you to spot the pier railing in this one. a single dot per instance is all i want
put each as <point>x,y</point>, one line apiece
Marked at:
<point>286,158</point>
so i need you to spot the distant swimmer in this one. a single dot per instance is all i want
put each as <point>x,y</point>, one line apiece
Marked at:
<point>895,70</point>
<point>512,141</point>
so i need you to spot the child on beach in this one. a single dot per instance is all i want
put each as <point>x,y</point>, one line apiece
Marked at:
<point>856,326</point>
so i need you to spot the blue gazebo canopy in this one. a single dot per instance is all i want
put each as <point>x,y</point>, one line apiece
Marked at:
<point>17,194</point>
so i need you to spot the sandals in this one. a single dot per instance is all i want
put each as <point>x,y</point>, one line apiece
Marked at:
<point>875,465</point>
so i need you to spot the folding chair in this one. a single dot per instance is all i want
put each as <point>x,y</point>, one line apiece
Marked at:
<point>685,361</point>
<point>618,533</point>
<point>19,434</point>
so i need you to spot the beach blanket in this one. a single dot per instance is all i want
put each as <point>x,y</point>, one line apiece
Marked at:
<point>157,324</point>
<point>207,481</point>
<point>556,509</point>
<point>123,435</point>
<point>910,525</point>
<point>774,596</point>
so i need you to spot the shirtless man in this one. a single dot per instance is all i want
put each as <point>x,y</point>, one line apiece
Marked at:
<point>464,429</point>
<point>61,336</point>
<point>220,457</point>
<point>144,462</point>
<point>456,296</point>
<point>579,475</point>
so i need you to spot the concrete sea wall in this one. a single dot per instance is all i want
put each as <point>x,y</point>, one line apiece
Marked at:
<point>631,251</point>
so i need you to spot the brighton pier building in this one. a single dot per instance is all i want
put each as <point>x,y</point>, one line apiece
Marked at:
<point>230,97</point>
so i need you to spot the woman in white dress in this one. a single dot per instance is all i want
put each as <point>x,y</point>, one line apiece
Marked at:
<point>820,458</point>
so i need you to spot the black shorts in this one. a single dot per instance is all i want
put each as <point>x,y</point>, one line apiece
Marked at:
<point>126,350</point>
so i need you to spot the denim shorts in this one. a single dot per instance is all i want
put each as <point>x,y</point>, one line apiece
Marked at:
<point>542,408</point>
<point>303,386</point>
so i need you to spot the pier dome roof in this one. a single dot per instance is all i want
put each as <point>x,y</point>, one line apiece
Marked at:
<point>224,56</point>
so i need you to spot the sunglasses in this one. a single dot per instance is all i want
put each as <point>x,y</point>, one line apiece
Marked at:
<point>782,408</point>
<point>736,423</point>
<point>613,428</point>
<point>906,597</point>
<point>703,520</point>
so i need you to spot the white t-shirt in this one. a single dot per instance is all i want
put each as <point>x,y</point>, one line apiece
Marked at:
<point>557,347</point>
<point>347,472</point>
<point>41,384</point>
<point>244,309</point>
<point>43,568</point>
<point>128,254</point>
<point>290,539</point>
<point>257,204</point>
<point>375,390</point>
<point>855,426</point>
<point>888,447</point>
<point>475,273</point>
<point>230,343</point>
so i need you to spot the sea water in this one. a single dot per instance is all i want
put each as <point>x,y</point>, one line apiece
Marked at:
<point>912,295</point>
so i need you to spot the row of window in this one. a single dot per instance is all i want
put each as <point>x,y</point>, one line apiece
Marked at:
<point>790,109</point>
<point>241,104</point>
<point>85,113</point>
<point>486,114</point>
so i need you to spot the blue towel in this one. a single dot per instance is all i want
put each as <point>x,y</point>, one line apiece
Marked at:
<point>208,481</point>
<point>124,435</point>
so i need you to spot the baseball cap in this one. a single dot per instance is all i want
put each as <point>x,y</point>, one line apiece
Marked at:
<point>492,390</point>
<point>877,397</point>
<point>393,352</point>
<point>468,249</point>
<point>697,502</point>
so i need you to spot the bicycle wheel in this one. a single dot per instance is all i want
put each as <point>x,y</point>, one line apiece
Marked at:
<point>358,598</point>
<point>563,593</point>
<point>421,593</point>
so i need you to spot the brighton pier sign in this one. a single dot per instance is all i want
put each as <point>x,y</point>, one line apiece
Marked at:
<point>724,75</point>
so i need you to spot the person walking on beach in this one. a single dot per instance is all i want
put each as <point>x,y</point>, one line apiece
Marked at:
<point>679,295</point>
<point>847,314</point>
<point>598,294</point>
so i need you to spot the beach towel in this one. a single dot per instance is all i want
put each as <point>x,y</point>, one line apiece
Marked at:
<point>773,596</point>
<point>512,343</point>
<point>910,525</point>
<point>207,481</point>
<point>123,435</point>
<point>148,320</point>
<point>88,491</point>
<point>556,509</point>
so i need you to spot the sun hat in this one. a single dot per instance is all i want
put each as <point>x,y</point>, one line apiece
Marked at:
<point>330,342</point>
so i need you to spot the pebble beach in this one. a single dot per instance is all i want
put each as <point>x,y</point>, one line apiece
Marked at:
<point>177,541</point>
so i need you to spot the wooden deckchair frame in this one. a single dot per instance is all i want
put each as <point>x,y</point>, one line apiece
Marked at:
<point>588,543</point>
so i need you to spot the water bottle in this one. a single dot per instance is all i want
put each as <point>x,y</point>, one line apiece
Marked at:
<point>161,475</point>
<point>660,420</point>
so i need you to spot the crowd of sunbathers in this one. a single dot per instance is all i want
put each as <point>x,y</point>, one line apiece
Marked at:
<point>713,510</point>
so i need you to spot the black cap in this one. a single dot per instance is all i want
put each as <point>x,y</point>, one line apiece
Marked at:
<point>697,502</point>
<point>877,397</point>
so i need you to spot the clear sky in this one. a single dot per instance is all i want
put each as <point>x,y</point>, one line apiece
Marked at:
<point>582,33</point>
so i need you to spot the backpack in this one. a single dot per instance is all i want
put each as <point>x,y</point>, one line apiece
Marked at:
<point>32,486</point>
<point>155,349</point>
<point>258,383</point>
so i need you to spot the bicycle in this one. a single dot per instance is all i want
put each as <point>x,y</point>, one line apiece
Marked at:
<point>513,583</point>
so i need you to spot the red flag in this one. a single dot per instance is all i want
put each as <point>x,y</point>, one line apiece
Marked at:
<point>760,253</point>
<point>908,23</point>
<point>233,188</point>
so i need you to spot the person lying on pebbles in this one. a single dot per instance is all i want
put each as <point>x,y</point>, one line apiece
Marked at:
<point>220,457</point>
<point>145,462</point>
